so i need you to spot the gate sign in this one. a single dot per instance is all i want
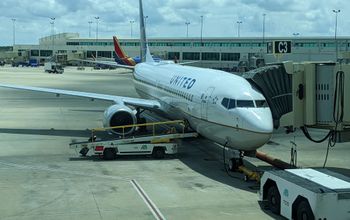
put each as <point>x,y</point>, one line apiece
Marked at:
<point>282,46</point>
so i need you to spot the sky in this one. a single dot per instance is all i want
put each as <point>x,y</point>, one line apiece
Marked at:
<point>167,18</point>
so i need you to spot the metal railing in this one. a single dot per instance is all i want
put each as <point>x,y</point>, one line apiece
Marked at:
<point>150,124</point>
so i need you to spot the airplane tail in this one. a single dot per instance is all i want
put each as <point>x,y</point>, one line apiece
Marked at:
<point>144,50</point>
<point>120,56</point>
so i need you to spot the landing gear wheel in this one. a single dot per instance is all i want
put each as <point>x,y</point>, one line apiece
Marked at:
<point>274,199</point>
<point>232,164</point>
<point>109,154</point>
<point>158,153</point>
<point>304,211</point>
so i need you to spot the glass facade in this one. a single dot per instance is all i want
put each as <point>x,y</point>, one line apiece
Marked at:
<point>210,56</point>
<point>173,55</point>
<point>230,56</point>
<point>45,53</point>
<point>34,53</point>
<point>190,56</point>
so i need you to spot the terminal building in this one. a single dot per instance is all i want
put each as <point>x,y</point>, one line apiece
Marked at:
<point>219,53</point>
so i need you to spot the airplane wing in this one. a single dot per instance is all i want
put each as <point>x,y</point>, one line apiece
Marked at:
<point>189,62</point>
<point>108,63</point>
<point>136,102</point>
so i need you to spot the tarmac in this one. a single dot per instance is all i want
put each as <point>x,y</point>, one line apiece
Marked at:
<point>41,178</point>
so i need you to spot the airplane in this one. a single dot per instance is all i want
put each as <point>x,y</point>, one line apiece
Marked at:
<point>220,106</point>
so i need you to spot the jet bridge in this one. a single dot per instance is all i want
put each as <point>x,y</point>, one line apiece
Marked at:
<point>307,95</point>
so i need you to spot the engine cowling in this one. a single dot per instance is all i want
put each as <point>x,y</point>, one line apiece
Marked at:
<point>118,115</point>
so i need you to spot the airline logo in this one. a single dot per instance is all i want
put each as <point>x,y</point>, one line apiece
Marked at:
<point>182,82</point>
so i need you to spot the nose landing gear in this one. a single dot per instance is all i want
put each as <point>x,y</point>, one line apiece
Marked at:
<point>235,163</point>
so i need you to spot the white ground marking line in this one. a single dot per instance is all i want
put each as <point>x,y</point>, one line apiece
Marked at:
<point>152,207</point>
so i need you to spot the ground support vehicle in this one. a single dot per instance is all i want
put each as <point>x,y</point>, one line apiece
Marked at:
<point>53,67</point>
<point>157,145</point>
<point>306,193</point>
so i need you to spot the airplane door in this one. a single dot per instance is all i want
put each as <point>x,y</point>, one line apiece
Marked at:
<point>205,99</point>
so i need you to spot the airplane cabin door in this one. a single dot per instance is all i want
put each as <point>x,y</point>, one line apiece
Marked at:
<point>205,99</point>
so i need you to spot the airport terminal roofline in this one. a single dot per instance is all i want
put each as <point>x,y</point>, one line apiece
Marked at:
<point>76,36</point>
<point>222,38</point>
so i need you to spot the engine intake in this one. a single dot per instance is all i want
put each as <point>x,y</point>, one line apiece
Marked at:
<point>119,115</point>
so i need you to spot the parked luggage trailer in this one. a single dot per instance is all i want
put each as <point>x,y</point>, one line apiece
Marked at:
<point>158,151</point>
<point>306,193</point>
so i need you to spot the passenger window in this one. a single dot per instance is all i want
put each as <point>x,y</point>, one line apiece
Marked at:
<point>225,102</point>
<point>245,103</point>
<point>261,104</point>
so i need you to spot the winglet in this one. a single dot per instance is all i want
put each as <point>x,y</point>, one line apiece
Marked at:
<point>145,54</point>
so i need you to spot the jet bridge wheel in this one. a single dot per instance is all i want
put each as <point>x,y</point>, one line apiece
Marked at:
<point>109,154</point>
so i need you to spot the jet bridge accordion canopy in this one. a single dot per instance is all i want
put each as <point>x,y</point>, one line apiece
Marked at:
<point>276,85</point>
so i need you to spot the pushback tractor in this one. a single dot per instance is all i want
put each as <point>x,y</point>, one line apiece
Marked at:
<point>306,194</point>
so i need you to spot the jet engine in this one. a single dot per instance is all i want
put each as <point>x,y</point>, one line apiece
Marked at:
<point>118,115</point>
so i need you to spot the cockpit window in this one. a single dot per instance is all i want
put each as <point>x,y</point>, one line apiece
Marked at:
<point>228,103</point>
<point>261,104</point>
<point>232,104</point>
<point>245,103</point>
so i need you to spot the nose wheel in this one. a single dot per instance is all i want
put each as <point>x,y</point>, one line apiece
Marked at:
<point>234,163</point>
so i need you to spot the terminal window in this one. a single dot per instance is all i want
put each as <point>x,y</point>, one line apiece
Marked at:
<point>210,56</point>
<point>91,54</point>
<point>190,56</point>
<point>230,56</point>
<point>104,54</point>
<point>45,53</point>
<point>173,55</point>
<point>34,53</point>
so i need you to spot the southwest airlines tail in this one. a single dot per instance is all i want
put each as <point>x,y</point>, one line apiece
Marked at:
<point>120,56</point>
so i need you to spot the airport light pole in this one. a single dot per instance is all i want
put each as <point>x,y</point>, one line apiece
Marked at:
<point>263,28</point>
<point>201,30</point>
<point>187,23</point>
<point>239,28</point>
<point>14,30</point>
<point>131,23</point>
<point>336,11</point>
<point>53,33</point>
<point>96,18</point>
<point>90,22</point>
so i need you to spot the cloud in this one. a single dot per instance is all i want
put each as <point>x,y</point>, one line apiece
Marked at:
<point>167,18</point>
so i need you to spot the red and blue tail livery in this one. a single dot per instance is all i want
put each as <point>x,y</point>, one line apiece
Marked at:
<point>121,57</point>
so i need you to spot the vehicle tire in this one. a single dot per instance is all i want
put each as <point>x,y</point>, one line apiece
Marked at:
<point>109,154</point>
<point>274,199</point>
<point>158,153</point>
<point>84,151</point>
<point>232,164</point>
<point>304,211</point>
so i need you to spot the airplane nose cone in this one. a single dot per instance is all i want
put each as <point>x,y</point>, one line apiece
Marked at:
<point>259,120</point>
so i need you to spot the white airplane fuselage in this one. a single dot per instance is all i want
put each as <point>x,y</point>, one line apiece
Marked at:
<point>197,95</point>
